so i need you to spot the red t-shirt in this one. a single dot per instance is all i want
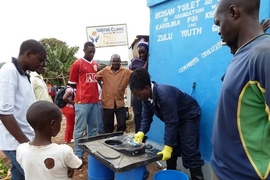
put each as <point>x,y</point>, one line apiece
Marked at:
<point>82,73</point>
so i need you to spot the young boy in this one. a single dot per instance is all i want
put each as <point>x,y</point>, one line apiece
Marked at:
<point>40,158</point>
<point>181,114</point>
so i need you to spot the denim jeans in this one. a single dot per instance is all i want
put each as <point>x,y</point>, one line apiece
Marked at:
<point>100,119</point>
<point>17,172</point>
<point>86,121</point>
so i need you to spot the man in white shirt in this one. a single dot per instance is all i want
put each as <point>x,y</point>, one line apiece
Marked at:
<point>16,96</point>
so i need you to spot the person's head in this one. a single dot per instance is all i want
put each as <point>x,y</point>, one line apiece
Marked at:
<point>143,49</point>
<point>31,55</point>
<point>115,61</point>
<point>44,117</point>
<point>89,50</point>
<point>140,84</point>
<point>41,68</point>
<point>234,17</point>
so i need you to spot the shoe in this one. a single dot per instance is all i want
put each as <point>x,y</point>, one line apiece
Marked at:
<point>196,173</point>
<point>71,141</point>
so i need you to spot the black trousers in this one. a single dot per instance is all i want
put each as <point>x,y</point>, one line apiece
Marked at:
<point>137,110</point>
<point>188,145</point>
<point>108,119</point>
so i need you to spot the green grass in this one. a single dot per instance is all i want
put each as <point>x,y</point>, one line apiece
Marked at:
<point>3,169</point>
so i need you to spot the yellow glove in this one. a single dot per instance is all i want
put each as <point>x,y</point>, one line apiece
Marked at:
<point>166,153</point>
<point>138,137</point>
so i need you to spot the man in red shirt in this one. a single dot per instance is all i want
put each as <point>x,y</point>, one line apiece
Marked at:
<point>82,77</point>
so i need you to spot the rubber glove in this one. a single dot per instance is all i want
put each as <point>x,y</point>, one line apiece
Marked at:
<point>166,153</point>
<point>138,137</point>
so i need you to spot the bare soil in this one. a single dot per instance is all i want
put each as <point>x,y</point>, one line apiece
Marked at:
<point>81,174</point>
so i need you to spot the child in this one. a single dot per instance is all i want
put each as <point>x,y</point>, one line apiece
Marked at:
<point>69,113</point>
<point>40,158</point>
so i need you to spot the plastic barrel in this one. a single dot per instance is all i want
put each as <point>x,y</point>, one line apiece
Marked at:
<point>98,171</point>
<point>170,175</point>
<point>133,174</point>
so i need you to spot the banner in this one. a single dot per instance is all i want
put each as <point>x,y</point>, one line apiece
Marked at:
<point>107,35</point>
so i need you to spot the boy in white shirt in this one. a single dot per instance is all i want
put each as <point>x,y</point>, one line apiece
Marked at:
<point>40,158</point>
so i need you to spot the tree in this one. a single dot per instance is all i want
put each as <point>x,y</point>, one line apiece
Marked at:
<point>60,57</point>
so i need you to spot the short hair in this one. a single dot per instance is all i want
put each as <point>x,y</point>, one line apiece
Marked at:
<point>41,113</point>
<point>249,6</point>
<point>88,44</point>
<point>139,78</point>
<point>32,45</point>
<point>116,55</point>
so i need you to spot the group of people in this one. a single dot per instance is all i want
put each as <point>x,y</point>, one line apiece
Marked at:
<point>241,125</point>
<point>27,125</point>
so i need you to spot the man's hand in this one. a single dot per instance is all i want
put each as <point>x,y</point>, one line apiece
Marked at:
<point>13,128</point>
<point>166,153</point>
<point>70,172</point>
<point>138,137</point>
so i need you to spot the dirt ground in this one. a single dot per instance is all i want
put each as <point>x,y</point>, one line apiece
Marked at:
<point>82,173</point>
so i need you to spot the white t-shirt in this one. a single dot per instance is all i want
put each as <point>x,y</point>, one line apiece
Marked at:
<point>16,96</point>
<point>32,159</point>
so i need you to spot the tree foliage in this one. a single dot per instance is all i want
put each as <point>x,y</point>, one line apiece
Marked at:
<point>60,57</point>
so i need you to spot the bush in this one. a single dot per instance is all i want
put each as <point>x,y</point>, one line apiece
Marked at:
<point>3,169</point>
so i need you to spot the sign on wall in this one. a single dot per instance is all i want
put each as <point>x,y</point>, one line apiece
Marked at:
<point>107,35</point>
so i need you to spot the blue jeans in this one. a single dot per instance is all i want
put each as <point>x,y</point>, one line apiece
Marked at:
<point>86,121</point>
<point>100,121</point>
<point>16,169</point>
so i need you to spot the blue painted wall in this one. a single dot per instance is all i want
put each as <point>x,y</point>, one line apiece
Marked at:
<point>185,48</point>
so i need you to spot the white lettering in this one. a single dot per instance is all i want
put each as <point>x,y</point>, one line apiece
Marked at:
<point>189,13</point>
<point>192,18</point>
<point>165,37</point>
<point>189,64</point>
<point>168,25</point>
<point>214,6</point>
<point>164,13</point>
<point>209,14</point>
<point>192,25</point>
<point>215,28</point>
<point>188,6</point>
<point>208,2</point>
<point>211,50</point>
<point>191,32</point>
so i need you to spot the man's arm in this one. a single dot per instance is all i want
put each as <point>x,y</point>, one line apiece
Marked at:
<point>12,126</point>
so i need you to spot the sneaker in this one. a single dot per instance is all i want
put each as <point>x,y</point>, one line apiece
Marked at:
<point>71,141</point>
